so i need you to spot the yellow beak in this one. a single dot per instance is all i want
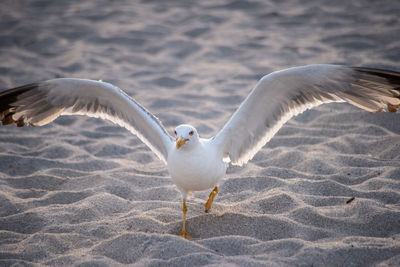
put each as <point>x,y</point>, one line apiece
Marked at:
<point>180,142</point>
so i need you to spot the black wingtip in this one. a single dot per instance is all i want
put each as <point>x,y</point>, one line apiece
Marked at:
<point>393,77</point>
<point>18,90</point>
<point>7,98</point>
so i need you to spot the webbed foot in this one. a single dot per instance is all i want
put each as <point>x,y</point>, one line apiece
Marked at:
<point>184,234</point>
<point>208,204</point>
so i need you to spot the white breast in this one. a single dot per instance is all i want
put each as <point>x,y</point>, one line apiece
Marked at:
<point>196,169</point>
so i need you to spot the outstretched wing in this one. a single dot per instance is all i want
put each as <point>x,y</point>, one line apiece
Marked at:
<point>281,95</point>
<point>41,103</point>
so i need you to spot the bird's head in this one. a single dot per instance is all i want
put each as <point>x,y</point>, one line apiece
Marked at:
<point>186,135</point>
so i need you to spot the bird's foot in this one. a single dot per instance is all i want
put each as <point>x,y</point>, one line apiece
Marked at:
<point>207,206</point>
<point>185,235</point>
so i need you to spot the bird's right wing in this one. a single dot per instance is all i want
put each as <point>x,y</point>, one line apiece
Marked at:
<point>41,103</point>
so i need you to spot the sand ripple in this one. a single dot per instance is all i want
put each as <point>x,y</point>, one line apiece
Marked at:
<point>82,192</point>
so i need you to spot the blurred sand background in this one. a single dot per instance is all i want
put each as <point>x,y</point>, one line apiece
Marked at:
<point>83,192</point>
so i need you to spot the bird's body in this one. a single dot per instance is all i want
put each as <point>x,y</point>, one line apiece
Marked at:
<point>194,163</point>
<point>196,168</point>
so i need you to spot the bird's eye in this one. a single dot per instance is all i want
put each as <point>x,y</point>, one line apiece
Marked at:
<point>191,133</point>
<point>175,133</point>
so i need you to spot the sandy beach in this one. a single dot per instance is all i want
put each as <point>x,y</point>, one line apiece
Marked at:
<point>325,191</point>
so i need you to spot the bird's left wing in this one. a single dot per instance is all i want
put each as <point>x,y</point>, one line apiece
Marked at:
<point>281,95</point>
<point>41,103</point>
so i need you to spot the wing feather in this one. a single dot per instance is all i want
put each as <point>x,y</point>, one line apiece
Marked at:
<point>41,103</point>
<point>281,95</point>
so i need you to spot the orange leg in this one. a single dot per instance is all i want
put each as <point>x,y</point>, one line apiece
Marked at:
<point>207,206</point>
<point>184,234</point>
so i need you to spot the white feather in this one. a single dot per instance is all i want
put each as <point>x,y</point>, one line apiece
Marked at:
<point>67,96</point>
<point>281,95</point>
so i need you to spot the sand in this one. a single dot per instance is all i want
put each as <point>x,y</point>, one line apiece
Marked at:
<point>83,192</point>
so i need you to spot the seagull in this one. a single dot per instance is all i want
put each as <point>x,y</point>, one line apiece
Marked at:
<point>194,163</point>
